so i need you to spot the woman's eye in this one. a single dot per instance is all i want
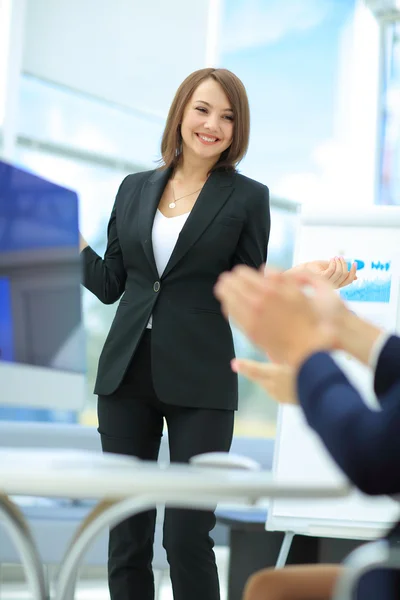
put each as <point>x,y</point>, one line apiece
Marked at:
<point>205,111</point>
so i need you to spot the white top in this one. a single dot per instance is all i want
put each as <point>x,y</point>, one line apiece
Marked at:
<point>165,234</point>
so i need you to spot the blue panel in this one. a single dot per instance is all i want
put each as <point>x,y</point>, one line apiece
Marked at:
<point>35,213</point>
<point>6,325</point>
<point>11,413</point>
<point>40,296</point>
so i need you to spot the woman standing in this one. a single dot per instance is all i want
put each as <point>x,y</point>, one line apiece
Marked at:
<point>172,232</point>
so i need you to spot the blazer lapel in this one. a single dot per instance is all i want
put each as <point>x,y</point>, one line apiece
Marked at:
<point>213,196</point>
<point>149,201</point>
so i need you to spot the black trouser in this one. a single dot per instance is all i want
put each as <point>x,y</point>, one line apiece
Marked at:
<point>131,422</point>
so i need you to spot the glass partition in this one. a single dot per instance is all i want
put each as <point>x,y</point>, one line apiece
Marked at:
<point>257,412</point>
<point>389,182</point>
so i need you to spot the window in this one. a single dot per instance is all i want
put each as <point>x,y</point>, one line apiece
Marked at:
<point>389,184</point>
<point>257,412</point>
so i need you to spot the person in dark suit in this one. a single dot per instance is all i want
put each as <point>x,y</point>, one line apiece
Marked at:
<point>299,331</point>
<point>167,356</point>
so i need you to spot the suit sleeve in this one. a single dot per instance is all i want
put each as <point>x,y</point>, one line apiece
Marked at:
<point>253,243</point>
<point>364,443</point>
<point>106,277</point>
<point>387,371</point>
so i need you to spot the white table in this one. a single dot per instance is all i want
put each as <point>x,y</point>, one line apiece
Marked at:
<point>124,486</point>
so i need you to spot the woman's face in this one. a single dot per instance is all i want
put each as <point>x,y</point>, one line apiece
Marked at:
<point>207,124</point>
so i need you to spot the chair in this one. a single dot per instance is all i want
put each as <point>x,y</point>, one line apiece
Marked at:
<point>366,558</point>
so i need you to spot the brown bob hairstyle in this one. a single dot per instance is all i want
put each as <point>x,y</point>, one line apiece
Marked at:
<point>171,143</point>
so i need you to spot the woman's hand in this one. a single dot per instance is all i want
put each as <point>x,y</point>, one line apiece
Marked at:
<point>82,243</point>
<point>277,380</point>
<point>335,271</point>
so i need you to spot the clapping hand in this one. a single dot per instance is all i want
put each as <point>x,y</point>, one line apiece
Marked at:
<point>275,313</point>
<point>277,380</point>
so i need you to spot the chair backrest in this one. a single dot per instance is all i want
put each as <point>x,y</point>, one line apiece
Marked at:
<point>259,449</point>
<point>369,557</point>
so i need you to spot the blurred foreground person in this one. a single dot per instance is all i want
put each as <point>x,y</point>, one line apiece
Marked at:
<point>297,320</point>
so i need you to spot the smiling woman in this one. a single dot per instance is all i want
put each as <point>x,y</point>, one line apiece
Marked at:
<point>211,125</point>
<point>167,356</point>
<point>211,103</point>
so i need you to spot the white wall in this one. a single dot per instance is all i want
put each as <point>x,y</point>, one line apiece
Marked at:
<point>12,19</point>
<point>5,33</point>
<point>357,115</point>
<point>131,52</point>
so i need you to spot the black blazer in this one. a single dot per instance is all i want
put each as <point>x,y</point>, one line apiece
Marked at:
<point>191,340</point>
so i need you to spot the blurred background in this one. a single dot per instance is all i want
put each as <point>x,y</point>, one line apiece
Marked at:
<point>85,86</point>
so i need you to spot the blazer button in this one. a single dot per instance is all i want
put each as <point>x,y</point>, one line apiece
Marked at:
<point>156,286</point>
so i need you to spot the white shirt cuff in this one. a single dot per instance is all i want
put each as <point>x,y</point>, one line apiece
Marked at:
<point>377,349</point>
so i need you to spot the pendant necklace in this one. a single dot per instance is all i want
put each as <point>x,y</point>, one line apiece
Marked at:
<point>173,204</point>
